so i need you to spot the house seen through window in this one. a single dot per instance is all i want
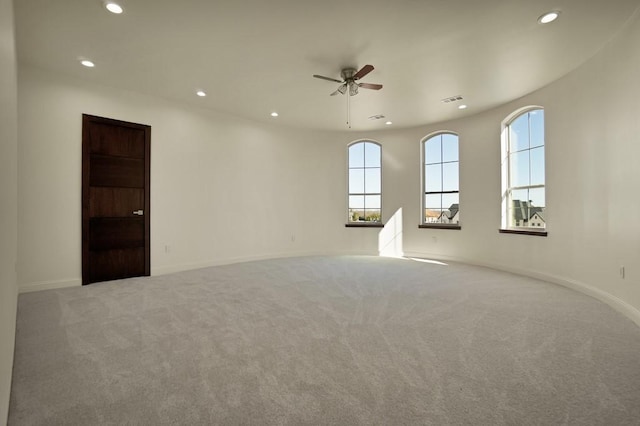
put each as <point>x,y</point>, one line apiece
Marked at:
<point>523,171</point>
<point>365,182</point>
<point>440,183</point>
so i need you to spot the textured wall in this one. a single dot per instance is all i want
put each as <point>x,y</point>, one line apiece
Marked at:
<point>222,188</point>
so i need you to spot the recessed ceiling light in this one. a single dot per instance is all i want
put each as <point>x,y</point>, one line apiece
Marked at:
<point>201,93</point>
<point>87,63</point>
<point>113,7</point>
<point>274,114</point>
<point>549,17</point>
<point>462,106</point>
<point>389,123</point>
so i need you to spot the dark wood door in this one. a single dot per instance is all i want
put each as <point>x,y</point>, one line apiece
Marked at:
<point>115,199</point>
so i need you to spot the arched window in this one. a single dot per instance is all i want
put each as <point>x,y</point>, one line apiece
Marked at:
<point>440,181</point>
<point>365,182</point>
<point>523,172</point>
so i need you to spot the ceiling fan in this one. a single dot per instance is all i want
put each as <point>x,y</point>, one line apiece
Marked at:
<point>350,80</point>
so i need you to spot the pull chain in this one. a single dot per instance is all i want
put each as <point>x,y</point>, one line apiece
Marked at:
<point>348,110</point>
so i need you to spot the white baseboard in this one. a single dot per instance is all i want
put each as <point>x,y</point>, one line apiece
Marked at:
<point>48,285</point>
<point>169,269</point>
<point>616,303</point>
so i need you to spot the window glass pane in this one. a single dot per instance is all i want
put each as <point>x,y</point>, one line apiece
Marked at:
<point>519,133</point>
<point>536,120</point>
<point>433,201</point>
<point>519,207</point>
<point>450,206</point>
<point>449,147</point>
<point>356,201</point>
<point>356,181</point>
<point>519,195</point>
<point>356,215</point>
<point>372,215</point>
<point>525,204</point>
<point>450,177</point>
<point>433,177</point>
<point>432,151</point>
<point>520,168</point>
<point>430,214</point>
<point>537,166</point>
<point>433,208</point>
<point>372,180</point>
<point>371,154</point>
<point>372,201</point>
<point>536,195</point>
<point>356,155</point>
<point>537,212</point>
<point>450,201</point>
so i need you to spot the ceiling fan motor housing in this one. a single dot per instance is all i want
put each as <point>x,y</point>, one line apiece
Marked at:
<point>348,73</point>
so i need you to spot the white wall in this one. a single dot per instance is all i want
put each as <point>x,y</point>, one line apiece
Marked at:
<point>592,121</point>
<point>223,189</point>
<point>226,189</point>
<point>8,203</point>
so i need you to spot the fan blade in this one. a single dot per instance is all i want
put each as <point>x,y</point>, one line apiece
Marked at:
<point>370,86</point>
<point>334,93</point>
<point>363,71</point>
<point>327,78</point>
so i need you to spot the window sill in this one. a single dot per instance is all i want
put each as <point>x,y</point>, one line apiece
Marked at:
<point>439,226</point>
<point>364,225</point>
<point>523,232</point>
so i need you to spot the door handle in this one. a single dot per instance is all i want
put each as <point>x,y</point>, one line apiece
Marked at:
<point>138,212</point>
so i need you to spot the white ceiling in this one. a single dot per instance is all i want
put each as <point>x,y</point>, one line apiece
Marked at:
<point>253,57</point>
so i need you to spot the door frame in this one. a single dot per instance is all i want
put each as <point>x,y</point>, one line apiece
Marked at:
<point>86,174</point>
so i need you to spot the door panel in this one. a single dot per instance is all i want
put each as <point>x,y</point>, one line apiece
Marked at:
<point>107,233</point>
<point>117,171</point>
<point>114,202</point>
<point>115,199</point>
<point>109,139</point>
<point>116,264</point>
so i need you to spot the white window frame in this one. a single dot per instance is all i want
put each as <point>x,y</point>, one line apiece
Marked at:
<point>423,192</point>
<point>505,171</point>
<point>349,194</point>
